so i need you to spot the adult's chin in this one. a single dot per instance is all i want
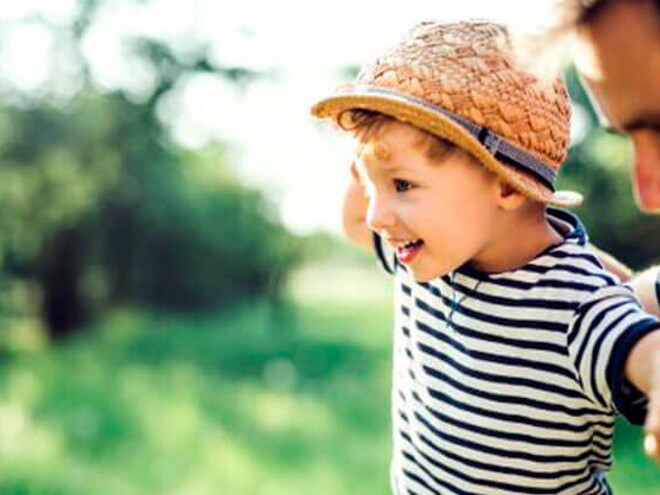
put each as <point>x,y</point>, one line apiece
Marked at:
<point>646,170</point>
<point>647,192</point>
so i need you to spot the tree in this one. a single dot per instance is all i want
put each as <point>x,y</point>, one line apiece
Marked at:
<point>100,208</point>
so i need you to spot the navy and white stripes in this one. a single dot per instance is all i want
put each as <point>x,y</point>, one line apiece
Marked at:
<point>512,390</point>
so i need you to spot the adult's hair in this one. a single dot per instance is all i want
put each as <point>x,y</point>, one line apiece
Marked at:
<point>545,50</point>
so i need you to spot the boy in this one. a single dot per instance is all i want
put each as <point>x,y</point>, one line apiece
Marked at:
<point>513,348</point>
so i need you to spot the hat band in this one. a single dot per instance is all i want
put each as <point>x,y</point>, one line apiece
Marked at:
<point>496,145</point>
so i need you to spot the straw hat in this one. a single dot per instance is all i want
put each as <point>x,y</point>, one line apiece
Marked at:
<point>458,81</point>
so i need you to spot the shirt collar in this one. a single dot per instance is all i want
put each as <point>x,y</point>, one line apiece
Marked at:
<point>568,225</point>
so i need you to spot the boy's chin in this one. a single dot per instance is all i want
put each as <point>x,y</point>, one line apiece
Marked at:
<point>428,275</point>
<point>428,268</point>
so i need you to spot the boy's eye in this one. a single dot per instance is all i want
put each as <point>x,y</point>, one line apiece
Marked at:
<point>401,185</point>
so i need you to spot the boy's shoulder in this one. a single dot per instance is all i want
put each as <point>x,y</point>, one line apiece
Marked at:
<point>572,265</point>
<point>569,271</point>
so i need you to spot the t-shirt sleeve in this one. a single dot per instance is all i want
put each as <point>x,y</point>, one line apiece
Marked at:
<point>386,256</point>
<point>603,332</point>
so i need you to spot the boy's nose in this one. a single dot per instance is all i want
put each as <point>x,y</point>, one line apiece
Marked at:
<point>379,215</point>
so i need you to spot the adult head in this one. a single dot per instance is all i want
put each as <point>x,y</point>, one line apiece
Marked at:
<point>616,49</point>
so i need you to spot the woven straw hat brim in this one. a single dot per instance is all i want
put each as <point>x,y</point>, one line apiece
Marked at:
<point>440,125</point>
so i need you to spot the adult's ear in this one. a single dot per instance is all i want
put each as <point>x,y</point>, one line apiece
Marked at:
<point>507,197</point>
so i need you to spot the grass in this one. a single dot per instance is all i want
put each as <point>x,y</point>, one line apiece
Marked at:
<point>259,401</point>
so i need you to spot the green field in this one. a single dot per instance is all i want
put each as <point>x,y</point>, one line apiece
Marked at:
<point>258,401</point>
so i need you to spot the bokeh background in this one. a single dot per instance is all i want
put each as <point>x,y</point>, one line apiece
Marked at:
<point>178,314</point>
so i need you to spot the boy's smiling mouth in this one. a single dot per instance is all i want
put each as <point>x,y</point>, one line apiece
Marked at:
<point>407,249</point>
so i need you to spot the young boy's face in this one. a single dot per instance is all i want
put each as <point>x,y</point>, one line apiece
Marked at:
<point>437,214</point>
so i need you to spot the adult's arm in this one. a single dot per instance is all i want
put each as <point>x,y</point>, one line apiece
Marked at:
<point>644,283</point>
<point>613,265</point>
<point>647,288</point>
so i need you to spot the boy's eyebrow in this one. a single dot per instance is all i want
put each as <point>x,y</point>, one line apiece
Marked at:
<point>387,167</point>
<point>380,157</point>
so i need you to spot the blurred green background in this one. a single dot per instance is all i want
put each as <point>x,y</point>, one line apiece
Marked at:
<point>163,332</point>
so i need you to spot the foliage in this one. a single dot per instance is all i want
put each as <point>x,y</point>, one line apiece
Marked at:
<point>97,209</point>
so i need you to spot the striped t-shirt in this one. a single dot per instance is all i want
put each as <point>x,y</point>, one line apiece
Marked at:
<point>508,383</point>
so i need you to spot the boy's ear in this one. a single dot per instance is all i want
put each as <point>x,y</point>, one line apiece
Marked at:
<point>507,197</point>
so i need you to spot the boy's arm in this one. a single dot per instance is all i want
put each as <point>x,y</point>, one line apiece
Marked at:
<point>354,212</point>
<point>643,371</point>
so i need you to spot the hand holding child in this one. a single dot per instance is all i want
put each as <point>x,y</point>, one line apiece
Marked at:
<point>355,211</point>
